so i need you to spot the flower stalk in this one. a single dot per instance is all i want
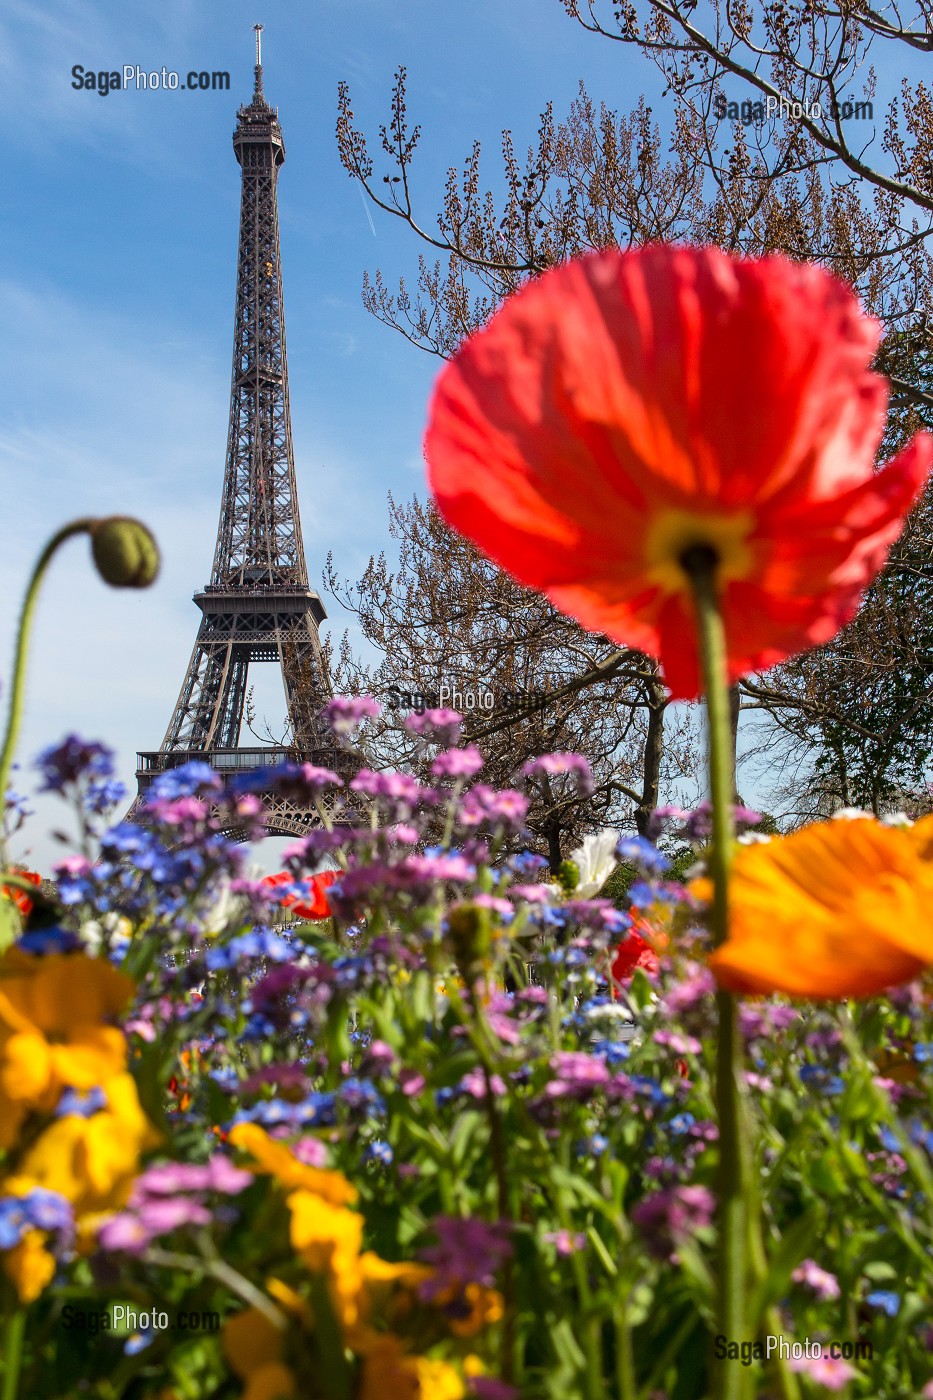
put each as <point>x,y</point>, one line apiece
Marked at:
<point>14,1333</point>
<point>125,555</point>
<point>700,564</point>
<point>23,633</point>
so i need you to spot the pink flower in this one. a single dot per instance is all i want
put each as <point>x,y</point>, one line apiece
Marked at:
<point>457,763</point>
<point>564,1242</point>
<point>345,712</point>
<point>410,1082</point>
<point>832,1374</point>
<point>824,1285</point>
<point>441,726</point>
<point>474,1084</point>
<point>552,765</point>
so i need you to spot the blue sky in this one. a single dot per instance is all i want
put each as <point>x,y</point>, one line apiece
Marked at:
<point>118,293</point>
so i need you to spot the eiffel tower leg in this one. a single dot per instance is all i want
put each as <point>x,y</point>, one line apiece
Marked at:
<point>307,687</point>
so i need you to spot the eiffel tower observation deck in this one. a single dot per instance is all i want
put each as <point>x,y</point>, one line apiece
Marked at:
<point>258,605</point>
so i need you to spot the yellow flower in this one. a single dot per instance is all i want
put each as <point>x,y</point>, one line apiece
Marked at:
<point>254,1346</point>
<point>839,909</point>
<point>275,1158</point>
<point>328,1240</point>
<point>437,1380</point>
<point>390,1374</point>
<point>29,1265</point>
<point>53,1031</point>
<point>477,1307</point>
<point>91,1161</point>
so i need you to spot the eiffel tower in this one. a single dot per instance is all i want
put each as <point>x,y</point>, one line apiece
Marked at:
<point>258,605</point>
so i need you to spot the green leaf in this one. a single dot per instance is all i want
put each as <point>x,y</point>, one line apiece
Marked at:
<point>11,925</point>
<point>463,1131</point>
<point>795,1245</point>
<point>698,1278</point>
<point>880,1272</point>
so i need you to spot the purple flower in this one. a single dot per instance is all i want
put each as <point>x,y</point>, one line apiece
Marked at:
<point>401,792</point>
<point>482,804</point>
<point>303,782</point>
<point>597,914</point>
<point>160,1216</point>
<point>687,995</point>
<point>823,1284</point>
<point>671,1215</point>
<point>474,1084</point>
<point>532,894</point>
<point>680,1044</point>
<point>125,1233</point>
<point>488,1388</point>
<point>467,1251</point>
<point>457,763</point>
<point>402,834</point>
<point>179,811</point>
<point>764,1020</point>
<point>553,765</point>
<point>661,818</point>
<point>345,712</point>
<point>72,759</point>
<point>176,1178</point>
<point>698,824</point>
<point>440,726</point>
<point>495,903</point>
<point>413,875</point>
<point>410,1082</point>
<point>576,1074</point>
<point>169,1179</point>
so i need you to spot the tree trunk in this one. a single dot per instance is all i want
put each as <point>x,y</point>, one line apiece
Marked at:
<point>654,752</point>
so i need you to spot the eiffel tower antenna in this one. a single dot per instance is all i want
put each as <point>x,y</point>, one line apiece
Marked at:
<point>258,605</point>
<point>258,28</point>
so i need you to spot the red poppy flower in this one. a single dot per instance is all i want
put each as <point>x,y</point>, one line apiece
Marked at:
<point>633,952</point>
<point>315,907</point>
<point>18,896</point>
<point>625,407</point>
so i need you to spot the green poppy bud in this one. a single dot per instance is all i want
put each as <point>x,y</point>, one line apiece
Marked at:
<point>125,552</point>
<point>569,875</point>
<point>470,936</point>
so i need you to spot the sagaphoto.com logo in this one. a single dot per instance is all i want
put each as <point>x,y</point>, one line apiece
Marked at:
<point>756,113</point>
<point>131,77</point>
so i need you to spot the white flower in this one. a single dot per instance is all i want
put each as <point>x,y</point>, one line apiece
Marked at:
<point>595,860</point>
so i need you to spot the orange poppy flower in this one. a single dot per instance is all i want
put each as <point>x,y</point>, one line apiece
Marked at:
<point>624,408</point>
<point>838,909</point>
<point>316,906</point>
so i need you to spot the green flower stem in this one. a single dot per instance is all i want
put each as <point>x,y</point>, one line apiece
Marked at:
<point>731,1382</point>
<point>18,678</point>
<point>13,1335</point>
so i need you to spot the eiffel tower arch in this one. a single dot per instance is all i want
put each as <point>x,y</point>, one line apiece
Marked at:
<point>258,605</point>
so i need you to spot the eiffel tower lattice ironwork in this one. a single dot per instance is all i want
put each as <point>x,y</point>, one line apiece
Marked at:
<point>258,606</point>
